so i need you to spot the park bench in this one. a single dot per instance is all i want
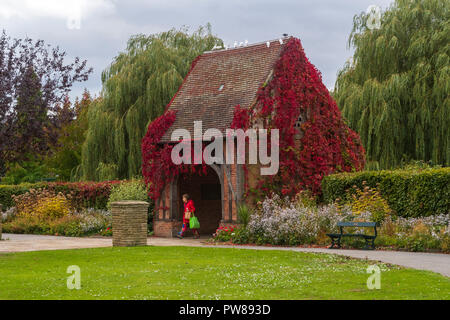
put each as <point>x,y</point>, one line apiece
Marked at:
<point>369,239</point>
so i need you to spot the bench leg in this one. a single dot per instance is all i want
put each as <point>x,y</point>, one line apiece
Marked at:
<point>332,243</point>
<point>370,244</point>
<point>335,245</point>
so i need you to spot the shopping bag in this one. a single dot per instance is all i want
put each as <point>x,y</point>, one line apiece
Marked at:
<point>194,223</point>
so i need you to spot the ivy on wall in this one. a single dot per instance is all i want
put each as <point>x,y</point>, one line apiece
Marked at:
<point>328,145</point>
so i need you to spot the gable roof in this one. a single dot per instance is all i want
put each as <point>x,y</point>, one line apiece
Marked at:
<point>241,72</point>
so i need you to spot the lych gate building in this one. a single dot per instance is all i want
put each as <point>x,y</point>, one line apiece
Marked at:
<point>276,85</point>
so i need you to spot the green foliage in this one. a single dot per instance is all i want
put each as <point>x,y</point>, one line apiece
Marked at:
<point>128,190</point>
<point>136,89</point>
<point>416,234</point>
<point>244,214</point>
<point>368,200</point>
<point>65,157</point>
<point>409,192</point>
<point>133,190</point>
<point>8,191</point>
<point>395,91</point>
<point>26,171</point>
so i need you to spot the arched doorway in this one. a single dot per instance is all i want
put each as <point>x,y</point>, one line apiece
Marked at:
<point>207,193</point>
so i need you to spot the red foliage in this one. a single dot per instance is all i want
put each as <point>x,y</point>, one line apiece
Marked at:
<point>84,194</point>
<point>157,166</point>
<point>328,144</point>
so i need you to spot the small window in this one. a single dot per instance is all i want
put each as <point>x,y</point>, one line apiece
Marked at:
<point>298,123</point>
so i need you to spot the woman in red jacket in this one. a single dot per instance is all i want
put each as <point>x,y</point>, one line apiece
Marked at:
<point>189,210</point>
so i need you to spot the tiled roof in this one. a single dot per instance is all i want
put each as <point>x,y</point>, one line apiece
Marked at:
<point>241,72</point>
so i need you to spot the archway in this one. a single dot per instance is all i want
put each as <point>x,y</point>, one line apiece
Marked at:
<point>206,191</point>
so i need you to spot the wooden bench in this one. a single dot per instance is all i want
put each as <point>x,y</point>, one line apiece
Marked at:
<point>369,239</point>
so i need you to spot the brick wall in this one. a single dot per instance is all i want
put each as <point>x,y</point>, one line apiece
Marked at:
<point>129,223</point>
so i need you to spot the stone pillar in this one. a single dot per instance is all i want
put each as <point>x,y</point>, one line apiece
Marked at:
<point>129,223</point>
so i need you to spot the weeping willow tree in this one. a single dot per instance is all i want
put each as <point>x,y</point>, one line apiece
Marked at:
<point>395,90</point>
<point>136,88</point>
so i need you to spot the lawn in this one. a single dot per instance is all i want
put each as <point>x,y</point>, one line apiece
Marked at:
<point>207,273</point>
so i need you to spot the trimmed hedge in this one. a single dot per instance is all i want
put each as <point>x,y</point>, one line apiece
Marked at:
<point>411,193</point>
<point>84,194</point>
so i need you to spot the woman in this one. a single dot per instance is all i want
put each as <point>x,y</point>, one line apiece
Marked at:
<point>189,210</point>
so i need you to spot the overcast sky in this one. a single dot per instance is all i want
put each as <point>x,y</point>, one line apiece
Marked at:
<point>97,30</point>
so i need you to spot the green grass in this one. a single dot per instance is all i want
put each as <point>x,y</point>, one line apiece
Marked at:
<point>207,273</point>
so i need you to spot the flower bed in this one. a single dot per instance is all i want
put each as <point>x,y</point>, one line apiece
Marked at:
<point>278,221</point>
<point>44,211</point>
<point>77,223</point>
<point>59,209</point>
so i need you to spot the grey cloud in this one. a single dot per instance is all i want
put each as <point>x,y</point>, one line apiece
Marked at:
<point>322,25</point>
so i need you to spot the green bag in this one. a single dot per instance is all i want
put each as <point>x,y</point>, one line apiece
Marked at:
<point>194,223</point>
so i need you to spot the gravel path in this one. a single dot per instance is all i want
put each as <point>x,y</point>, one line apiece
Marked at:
<point>436,262</point>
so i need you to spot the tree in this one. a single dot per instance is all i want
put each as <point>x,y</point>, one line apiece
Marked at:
<point>395,91</point>
<point>65,156</point>
<point>29,125</point>
<point>136,88</point>
<point>34,81</point>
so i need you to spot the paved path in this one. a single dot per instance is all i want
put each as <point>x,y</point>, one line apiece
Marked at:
<point>29,242</point>
<point>436,262</point>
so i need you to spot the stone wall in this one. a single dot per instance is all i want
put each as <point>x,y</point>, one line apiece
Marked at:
<point>129,223</point>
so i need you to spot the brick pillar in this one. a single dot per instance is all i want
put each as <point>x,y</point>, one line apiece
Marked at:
<point>129,223</point>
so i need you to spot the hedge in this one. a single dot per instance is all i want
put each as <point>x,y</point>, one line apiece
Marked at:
<point>84,194</point>
<point>410,193</point>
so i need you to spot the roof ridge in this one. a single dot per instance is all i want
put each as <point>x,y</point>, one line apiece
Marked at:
<point>250,45</point>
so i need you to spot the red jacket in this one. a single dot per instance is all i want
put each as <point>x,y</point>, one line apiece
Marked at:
<point>188,206</point>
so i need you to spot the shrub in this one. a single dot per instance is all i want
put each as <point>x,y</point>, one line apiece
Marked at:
<point>368,200</point>
<point>9,214</point>
<point>8,191</point>
<point>306,198</point>
<point>53,207</point>
<point>94,221</point>
<point>243,213</point>
<point>128,190</point>
<point>414,192</point>
<point>82,194</point>
<point>27,171</point>
<point>133,190</point>
<point>416,234</point>
<point>42,204</point>
<point>86,194</point>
